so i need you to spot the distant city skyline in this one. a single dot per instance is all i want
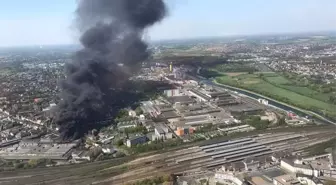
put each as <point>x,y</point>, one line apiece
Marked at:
<point>40,22</point>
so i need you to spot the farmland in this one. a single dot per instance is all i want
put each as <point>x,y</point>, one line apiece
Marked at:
<point>280,88</point>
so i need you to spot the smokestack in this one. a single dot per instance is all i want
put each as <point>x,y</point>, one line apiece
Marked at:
<point>111,36</point>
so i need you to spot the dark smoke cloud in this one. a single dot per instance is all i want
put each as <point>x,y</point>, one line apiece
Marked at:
<point>111,35</point>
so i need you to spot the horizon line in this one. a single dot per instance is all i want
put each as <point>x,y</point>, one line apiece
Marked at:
<point>187,39</point>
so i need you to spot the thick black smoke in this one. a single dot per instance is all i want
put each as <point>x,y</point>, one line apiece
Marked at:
<point>111,36</point>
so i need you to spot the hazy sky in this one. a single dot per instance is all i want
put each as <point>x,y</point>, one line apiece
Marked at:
<point>39,22</point>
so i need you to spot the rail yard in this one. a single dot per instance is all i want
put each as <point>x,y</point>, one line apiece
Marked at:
<point>204,156</point>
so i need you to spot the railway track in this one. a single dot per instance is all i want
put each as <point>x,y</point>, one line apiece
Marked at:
<point>129,169</point>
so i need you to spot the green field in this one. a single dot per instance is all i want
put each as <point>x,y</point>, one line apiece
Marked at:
<point>297,87</point>
<point>279,80</point>
<point>236,67</point>
<point>280,88</point>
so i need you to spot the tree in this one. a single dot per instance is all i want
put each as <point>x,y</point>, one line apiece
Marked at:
<point>167,178</point>
<point>120,154</point>
<point>256,122</point>
<point>250,71</point>
<point>138,129</point>
<point>122,113</point>
<point>138,110</point>
<point>94,132</point>
<point>120,142</point>
<point>32,163</point>
<point>19,165</point>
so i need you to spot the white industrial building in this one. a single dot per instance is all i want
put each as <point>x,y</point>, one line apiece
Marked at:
<point>296,167</point>
<point>228,176</point>
<point>172,92</point>
<point>162,132</point>
<point>286,180</point>
<point>199,95</point>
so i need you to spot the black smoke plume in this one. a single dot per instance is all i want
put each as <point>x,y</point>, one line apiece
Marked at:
<point>111,36</point>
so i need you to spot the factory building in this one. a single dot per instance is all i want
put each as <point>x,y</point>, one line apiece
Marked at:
<point>316,166</point>
<point>224,99</point>
<point>163,108</point>
<point>27,150</point>
<point>286,180</point>
<point>294,167</point>
<point>150,108</point>
<point>309,180</point>
<point>187,125</point>
<point>180,131</point>
<point>162,132</point>
<point>196,120</point>
<point>228,176</point>
<point>197,110</point>
<point>172,92</point>
<point>180,100</point>
<point>170,115</point>
<point>199,95</point>
<point>80,156</point>
<point>243,109</point>
<point>132,141</point>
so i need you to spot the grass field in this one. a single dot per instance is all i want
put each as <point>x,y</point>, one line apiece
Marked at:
<point>293,86</point>
<point>279,80</point>
<point>282,89</point>
<point>234,74</point>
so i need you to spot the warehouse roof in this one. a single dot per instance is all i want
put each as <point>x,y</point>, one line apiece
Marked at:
<point>180,99</point>
<point>170,114</point>
<point>242,108</point>
<point>200,94</point>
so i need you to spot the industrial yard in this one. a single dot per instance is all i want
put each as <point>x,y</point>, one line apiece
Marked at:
<point>191,127</point>
<point>207,155</point>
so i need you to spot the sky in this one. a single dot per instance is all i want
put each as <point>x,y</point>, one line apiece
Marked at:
<point>48,22</point>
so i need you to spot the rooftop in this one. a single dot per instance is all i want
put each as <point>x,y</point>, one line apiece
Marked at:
<point>260,181</point>
<point>159,130</point>
<point>34,150</point>
<point>287,180</point>
<point>170,114</point>
<point>242,108</point>
<point>180,99</point>
<point>200,94</point>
